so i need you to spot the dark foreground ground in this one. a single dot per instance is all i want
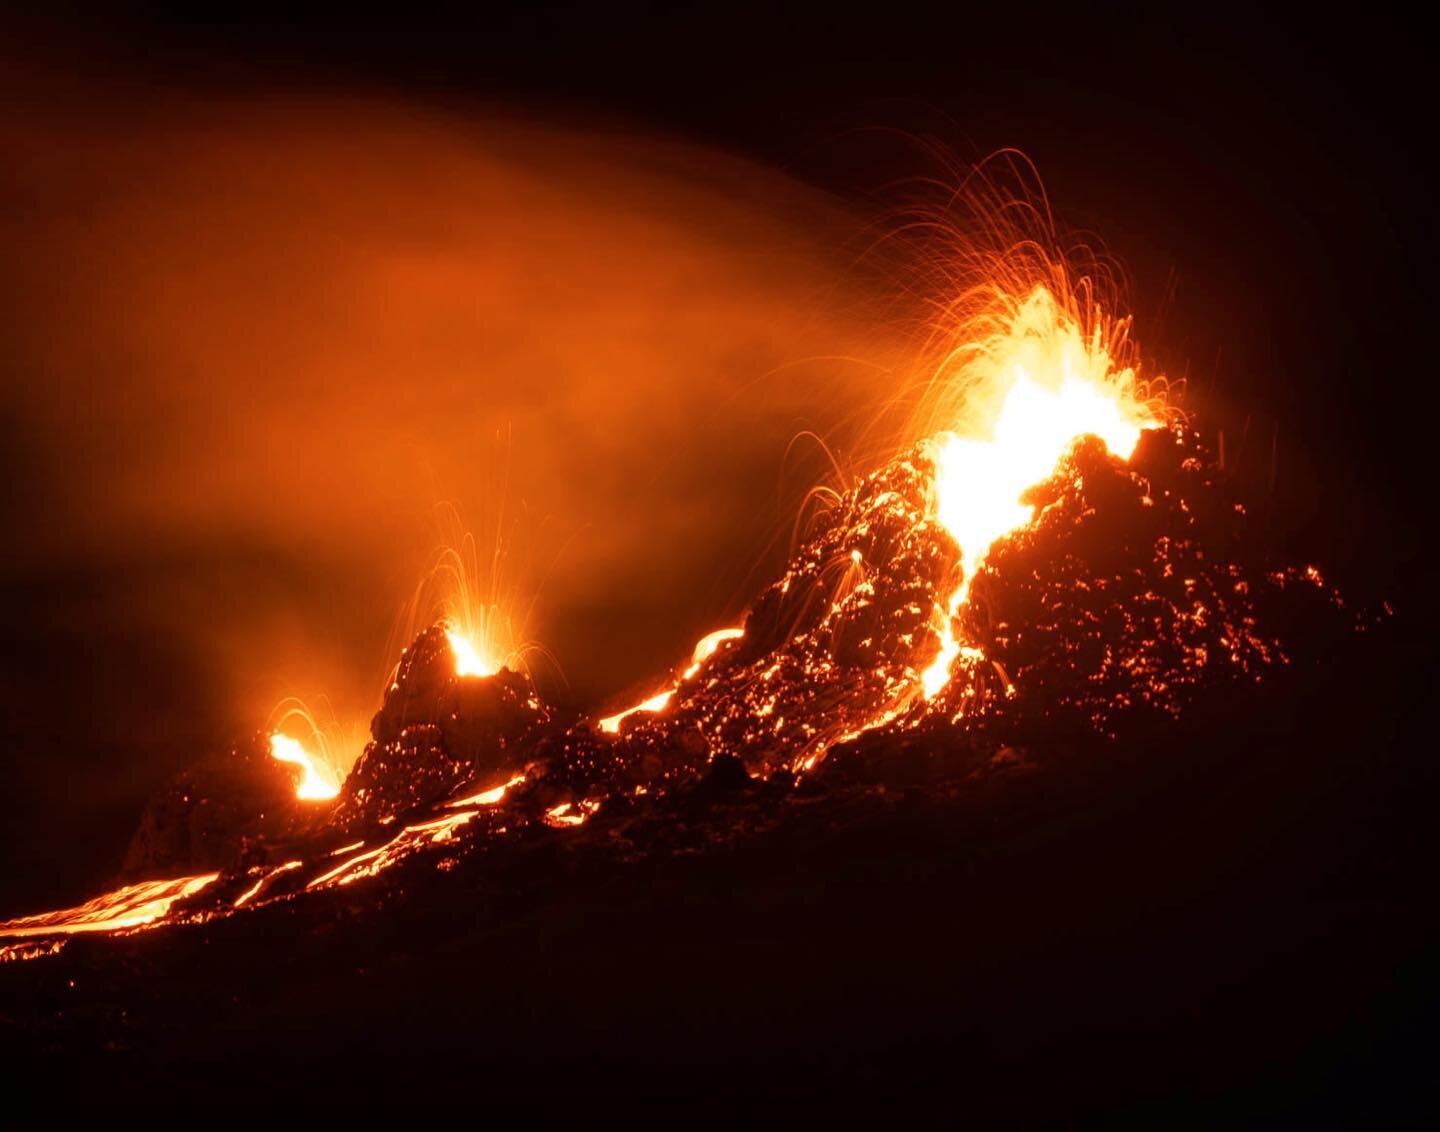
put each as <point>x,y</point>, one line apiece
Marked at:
<point>1235,921</point>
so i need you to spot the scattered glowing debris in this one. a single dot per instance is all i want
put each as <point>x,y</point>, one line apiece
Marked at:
<point>571,814</point>
<point>31,949</point>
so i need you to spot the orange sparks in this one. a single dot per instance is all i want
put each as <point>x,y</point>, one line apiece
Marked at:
<point>317,782</point>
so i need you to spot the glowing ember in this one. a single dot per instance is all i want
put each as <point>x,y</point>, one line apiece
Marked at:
<point>31,949</point>
<point>704,650</point>
<point>468,659</point>
<point>1053,385</point>
<point>130,907</point>
<point>570,814</point>
<point>317,783</point>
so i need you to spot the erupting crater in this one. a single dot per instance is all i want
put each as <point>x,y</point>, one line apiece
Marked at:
<point>1067,561</point>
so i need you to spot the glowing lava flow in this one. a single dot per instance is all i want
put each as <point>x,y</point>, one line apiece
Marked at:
<point>570,814</point>
<point>316,784</point>
<point>468,660</point>
<point>486,797</point>
<point>409,839</point>
<point>704,650</point>
<point>133,906</point>
<point>250,893</point>
<point>1058,385</point>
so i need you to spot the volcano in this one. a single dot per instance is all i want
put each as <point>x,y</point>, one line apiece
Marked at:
<point>1007,746</point>
<point>794,811</point>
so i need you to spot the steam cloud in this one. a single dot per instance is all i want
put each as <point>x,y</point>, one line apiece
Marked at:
<point>251,344</point>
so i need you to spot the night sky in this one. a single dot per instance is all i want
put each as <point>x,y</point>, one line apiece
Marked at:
<point>207,222</point>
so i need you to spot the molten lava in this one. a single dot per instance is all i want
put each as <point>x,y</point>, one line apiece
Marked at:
<point>468,658</point>
<point>133,906</point>
<point>704,650</point>
<point>1054,384</point>
<point>486,797</point>
<point>316,783</point>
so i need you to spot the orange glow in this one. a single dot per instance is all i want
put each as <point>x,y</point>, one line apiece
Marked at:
<point>704,650</point>
<point>317,781</point>
<point>1048,383</point>
<point>130,907</point>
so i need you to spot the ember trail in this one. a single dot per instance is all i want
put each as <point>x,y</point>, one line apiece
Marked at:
<point>1063,555</point>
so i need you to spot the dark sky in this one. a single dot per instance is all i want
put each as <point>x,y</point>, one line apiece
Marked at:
<point>208,220</point>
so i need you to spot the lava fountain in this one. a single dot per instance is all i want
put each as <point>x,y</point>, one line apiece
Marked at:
<point>314,785</point>
<point>1051,383</point>
<point>476,597</point>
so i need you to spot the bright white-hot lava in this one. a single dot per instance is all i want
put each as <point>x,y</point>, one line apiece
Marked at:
<point>317,781</point>
<point>469,660</point>
<point>1048,384</point>
<point>133,906</point>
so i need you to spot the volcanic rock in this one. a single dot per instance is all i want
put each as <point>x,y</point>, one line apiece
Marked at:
<point>203,817</point>
<point>835,642</point>
<point>1138,588</point>
<point>437,731</point>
